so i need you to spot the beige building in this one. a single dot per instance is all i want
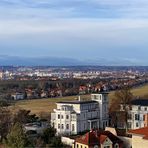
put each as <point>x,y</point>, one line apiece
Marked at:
<point>139,138</point>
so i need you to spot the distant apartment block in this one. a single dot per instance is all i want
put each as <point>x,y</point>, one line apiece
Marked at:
<point>73,117</point>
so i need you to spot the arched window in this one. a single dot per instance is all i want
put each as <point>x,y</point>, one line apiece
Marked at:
<point>73,127</point>
<point>67,126</point>
<point>67,117</point>
<point>116,145</point>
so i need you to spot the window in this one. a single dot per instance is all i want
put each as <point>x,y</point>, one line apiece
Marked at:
<point>58,116</point>
<point>104,98</point>
<point>106,146</point>
<point>95,97</point>
<point>81,146</point>
<point>84,115</point>
<point>129,124</point>
<point>143,117</point>
<point>58,126</point>
<point>116,146</point>
<point>67,117</point>
<point>62,126</point>
<point>73,127</point>
<point>139,108</point>
<point>104,108</point>
<point>129,116</point>
<point>137,125</point>
<point>145,108</point>
<point>67,126</point>
<point>77,145</point>
<point>136,117</point>
<point>104,124</point>
<point>62,116</point>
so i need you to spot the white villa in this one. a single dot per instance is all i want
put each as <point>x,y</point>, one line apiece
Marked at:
<point>73,117</point>
<point>137,114</point>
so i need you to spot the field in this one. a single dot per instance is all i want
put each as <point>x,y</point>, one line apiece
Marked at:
<point>43,105</point>
<point>47,105</point>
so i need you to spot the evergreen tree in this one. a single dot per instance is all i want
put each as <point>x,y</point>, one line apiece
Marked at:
<point>17,138</point>
<point>48,135</point>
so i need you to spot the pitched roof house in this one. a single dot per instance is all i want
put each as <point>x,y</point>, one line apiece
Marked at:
<point>98,139</point>
<point>139,137</point>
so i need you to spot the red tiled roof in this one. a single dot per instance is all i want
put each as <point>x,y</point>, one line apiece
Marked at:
<point>141,131</point>
<point>111,136</point>
<point>97,137</point>
<point>103,138</point>
<point>82,87</point>
<point>88,139</point>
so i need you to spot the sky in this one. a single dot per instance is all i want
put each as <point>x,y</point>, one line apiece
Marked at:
<point>79,29</point>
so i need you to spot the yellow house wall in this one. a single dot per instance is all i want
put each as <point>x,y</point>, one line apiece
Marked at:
<point>139,142</point>
<point>146,120</point>
<point>80,145</point>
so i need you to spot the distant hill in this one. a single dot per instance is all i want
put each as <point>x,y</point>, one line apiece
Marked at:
<point>38,61</point>
<point>59,61</point>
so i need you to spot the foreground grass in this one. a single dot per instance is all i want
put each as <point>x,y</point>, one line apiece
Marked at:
<point>47,105</point>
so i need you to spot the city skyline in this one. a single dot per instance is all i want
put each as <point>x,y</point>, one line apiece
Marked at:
<point>78,29</point>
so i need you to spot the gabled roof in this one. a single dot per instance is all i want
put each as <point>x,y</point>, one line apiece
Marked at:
<point>141,131</point>
<point>97,137</point>
<point>88,139</point>
<point>111,136</point>
<point>103,138</point>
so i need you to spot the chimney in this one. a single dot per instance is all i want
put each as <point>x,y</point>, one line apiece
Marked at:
<point>79,98</point>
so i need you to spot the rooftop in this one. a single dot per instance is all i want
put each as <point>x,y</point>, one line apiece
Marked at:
<point>142,102</point>
<point>97,137</point>
<point>76,102</point>
<point>101,92</point>
<point>141,131</point>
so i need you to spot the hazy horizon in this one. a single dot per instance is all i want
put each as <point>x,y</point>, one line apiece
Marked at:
<point>115,31</point>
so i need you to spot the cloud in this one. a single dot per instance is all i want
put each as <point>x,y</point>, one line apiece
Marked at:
<point>30,26</point>
<point>108,28</point>
<point>74,8</point>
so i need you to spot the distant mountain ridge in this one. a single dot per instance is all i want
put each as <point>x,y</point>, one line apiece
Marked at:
<point>38,61</point>
<point>59,61</point>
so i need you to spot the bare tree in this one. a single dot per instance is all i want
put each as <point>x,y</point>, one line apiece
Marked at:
<point>122,98</point>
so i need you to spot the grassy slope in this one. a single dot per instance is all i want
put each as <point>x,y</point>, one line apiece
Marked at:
<point>47,105</point>
<point>43,105</point>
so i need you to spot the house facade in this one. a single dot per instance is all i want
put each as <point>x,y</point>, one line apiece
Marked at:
<point>73,117</point>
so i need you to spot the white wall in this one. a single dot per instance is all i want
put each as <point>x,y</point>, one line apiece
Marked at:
<point>67,141</point>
